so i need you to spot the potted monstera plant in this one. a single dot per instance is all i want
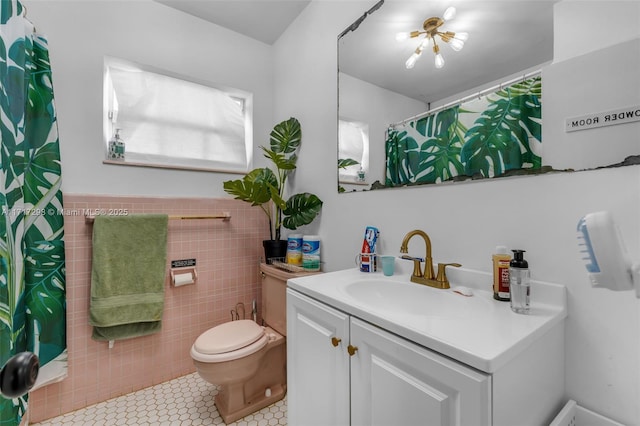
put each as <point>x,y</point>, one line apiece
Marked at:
<point>266,188</point>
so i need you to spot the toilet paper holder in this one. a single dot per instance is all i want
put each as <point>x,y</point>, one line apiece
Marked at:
<point>183,276</point>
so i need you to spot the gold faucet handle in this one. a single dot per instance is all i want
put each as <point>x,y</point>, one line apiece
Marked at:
<point>417,267</point>
<point>442,273</point>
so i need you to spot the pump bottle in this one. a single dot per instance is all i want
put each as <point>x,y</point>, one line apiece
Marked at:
<point>116,147</point>
<point>520,285</point>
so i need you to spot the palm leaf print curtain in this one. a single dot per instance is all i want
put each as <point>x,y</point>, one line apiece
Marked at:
<point>485,137</point>
<point>32,274</point>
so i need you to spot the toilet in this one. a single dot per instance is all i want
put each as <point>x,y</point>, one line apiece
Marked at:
<point>248,361</point>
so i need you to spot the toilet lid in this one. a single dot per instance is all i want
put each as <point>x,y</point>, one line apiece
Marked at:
<point>228,337</point>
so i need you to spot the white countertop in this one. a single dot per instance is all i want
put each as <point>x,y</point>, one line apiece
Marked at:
<point>479,331</point>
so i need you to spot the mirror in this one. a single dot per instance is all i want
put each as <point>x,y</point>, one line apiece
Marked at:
<point>508,43</point>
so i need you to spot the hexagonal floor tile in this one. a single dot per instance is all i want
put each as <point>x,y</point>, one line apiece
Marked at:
<point>185,401</point>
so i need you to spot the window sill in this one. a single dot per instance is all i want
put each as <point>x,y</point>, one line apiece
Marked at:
<point>169,166</point>
<point>353,182</point>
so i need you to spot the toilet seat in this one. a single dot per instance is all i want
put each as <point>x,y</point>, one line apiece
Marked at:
<point>229,341</point>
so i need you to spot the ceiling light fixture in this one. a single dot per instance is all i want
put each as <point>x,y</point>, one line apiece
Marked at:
<point>431,26</point>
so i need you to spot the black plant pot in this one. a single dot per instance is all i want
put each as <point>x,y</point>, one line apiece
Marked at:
<point>274,249</point>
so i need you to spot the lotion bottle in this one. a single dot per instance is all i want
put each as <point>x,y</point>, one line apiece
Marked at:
<point>501,261</point>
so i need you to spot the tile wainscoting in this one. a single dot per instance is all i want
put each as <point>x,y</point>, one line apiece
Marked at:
<point>227,255</point>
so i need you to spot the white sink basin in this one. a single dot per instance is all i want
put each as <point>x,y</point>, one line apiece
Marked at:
<point>407,298</point>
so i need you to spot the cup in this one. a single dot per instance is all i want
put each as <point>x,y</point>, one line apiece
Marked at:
<point>367,262</point>
<point>388,264</point>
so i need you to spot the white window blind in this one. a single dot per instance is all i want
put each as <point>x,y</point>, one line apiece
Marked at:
<point>166,120</point>
<point>354,144</point>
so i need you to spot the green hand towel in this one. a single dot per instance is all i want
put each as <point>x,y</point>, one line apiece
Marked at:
<point>128,275</point>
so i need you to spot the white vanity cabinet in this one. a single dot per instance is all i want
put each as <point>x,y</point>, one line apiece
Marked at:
<point>317,365</point>
<point>342,370</point>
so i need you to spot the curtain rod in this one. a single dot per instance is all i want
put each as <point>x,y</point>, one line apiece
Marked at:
<point>466,98</point>
<point>225,216</point>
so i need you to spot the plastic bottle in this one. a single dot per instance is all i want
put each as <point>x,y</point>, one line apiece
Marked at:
<point>501,274</point>
<point>116,147</point>
<point>311,252</point>
<point>294,249</point>
<point>520,287</point>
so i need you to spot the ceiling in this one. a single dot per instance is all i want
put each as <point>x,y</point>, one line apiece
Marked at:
<point>505,37</point>
<point>263,20</point>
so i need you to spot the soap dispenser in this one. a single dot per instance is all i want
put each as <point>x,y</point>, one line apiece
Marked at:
<point>116,147</point>
<point>519,279</point>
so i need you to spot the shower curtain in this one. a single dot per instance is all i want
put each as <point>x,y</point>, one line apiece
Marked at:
<point>488,137</point>
<point>32,265</point>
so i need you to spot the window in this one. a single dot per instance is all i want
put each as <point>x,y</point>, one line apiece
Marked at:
<point>168,121</point>
<point>354,144</point>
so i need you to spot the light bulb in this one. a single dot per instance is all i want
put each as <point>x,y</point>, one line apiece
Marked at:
<point>412,59</point>
<point>402,36</point>
<point>456,44</point>
<point>462,36</point>
<point>424,44</point>
<point>439,61</point>
<point>449,14</point>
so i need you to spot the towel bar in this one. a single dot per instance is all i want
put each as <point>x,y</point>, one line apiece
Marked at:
<point>225,216</point>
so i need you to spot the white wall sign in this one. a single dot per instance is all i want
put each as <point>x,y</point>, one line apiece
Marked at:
<point>609,118</point>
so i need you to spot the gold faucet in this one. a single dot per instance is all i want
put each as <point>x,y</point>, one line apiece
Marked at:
<point>428,277</point>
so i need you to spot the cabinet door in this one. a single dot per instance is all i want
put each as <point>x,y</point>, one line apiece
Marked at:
<point>396,382</point>
<point>317,371</point>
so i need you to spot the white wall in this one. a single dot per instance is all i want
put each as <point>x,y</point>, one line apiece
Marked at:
<point>594,25</point>
<point>611,75</point>
<point>378,107</point>
<point>466,221</point>
<point>81,33</point>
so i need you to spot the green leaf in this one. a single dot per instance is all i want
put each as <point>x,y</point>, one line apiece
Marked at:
<point>41,114</point>
<point>499,139</point>
<point>301,209</point>
<point>44,295</point>
<point>343,163</point>
<point>440,159</point>
<point>280,160</point>
<point>277,199</point>
<point>439,123</point>
<point>403,158</point>
<point>286,136</point>
<point>254,187</point>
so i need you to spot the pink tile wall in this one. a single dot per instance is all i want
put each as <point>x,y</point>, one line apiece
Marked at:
<point>227,254</point>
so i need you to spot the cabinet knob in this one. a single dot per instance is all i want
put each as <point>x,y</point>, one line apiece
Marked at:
<point>335,341</point>
<point>263,275</point>
<point>352,350</point>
